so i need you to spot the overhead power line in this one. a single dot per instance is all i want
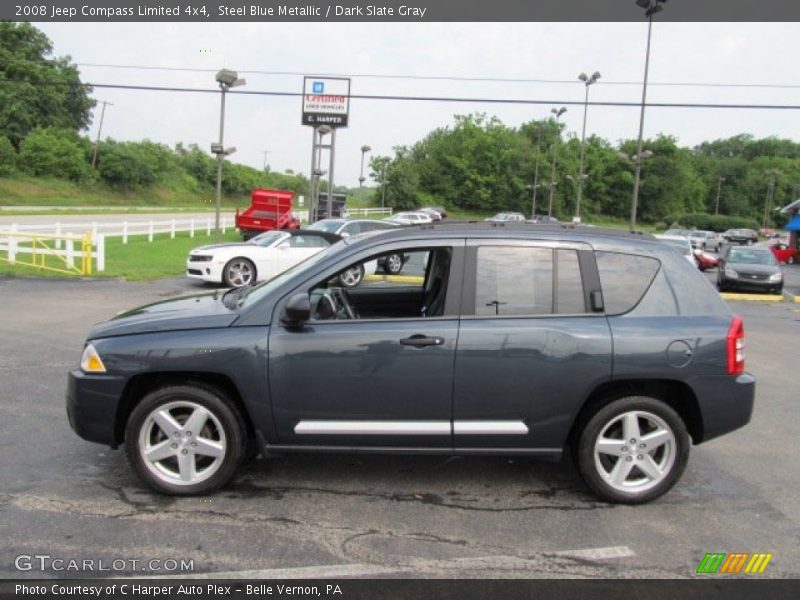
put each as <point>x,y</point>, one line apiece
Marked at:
<point>449,77</point>
<point>154,88</point>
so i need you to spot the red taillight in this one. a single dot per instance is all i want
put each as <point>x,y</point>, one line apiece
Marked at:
<point>736,347</point>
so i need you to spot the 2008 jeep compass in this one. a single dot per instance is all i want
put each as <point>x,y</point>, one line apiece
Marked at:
<point>510,339</point>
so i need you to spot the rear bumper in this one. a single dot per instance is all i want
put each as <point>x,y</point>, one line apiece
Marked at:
<point>726,403</point>
<point>92,402</point>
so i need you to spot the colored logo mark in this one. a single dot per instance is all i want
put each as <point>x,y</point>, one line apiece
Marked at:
<point>734,563</point>
<point>318,87</point>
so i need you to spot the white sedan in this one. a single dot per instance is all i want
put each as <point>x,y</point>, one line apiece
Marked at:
<point>411,218</point>
<point>261,258</point>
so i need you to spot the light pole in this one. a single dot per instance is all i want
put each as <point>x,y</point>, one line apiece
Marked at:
<point>557,112</point>
<point>533,188</point>
<point>364,149</point>
<point>587,82</point>
<point>99,129</point>
<point>226,79</point>
<point>535,185</point>
<point>651,7</point>
<point>720,180</point>
<point>264,168</point>
<point>772,174</point>
<point>383,185</point>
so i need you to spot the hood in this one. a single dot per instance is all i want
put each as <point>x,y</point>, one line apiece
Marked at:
<point>202,311</point>
<point>753,269</point>
<point>216,246</point>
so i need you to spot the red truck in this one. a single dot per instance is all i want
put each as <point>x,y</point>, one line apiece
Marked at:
<point>268,210</point>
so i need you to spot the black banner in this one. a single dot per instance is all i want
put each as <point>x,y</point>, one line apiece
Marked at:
<point>384,589</point>
<point>392,10</point>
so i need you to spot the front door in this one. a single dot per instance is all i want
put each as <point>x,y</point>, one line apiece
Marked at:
<point>382,376</point>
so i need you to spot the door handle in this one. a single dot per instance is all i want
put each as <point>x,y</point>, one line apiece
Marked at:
<point>420,341</point>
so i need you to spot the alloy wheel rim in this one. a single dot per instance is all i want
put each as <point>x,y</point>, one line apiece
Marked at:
<point>635,451</point>
<point>182,443</point>
<point>351,277</point>
<point>394,262</point>
<point>240,273</point>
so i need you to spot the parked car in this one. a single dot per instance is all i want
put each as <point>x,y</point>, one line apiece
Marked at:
<point>441,210</point>
<point>705,260</point>
<point>543,219</point>
<point>681,244</point>
<point>435,214</point>
<point>746,237</point>
<point>391,264</point>
<point>410,218</point>
<point>522,341</point>
<point>705,240</point>
<point>784,253</point>
<point>753,268</point>
<point>260,258</point>
<point>506,217</point>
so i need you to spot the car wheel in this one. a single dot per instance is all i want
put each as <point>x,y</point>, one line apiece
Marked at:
<point>633,450</point>
<point>352,276</point>
<point>393,264</point>
<point>239,272</point>
<point>185,440</point>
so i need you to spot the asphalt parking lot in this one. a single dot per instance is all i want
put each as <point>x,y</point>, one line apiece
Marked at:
<point>375,515</point>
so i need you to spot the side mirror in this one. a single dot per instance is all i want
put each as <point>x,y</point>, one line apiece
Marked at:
<point>344,234</point>
<point>297,311</point>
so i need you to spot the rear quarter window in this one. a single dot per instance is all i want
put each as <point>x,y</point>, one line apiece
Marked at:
<point>624,279</point>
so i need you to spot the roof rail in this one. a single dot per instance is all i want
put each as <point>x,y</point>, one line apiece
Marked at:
<point>552,227</point>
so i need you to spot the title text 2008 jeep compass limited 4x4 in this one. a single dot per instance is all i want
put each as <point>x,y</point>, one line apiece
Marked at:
<point>510,339</point>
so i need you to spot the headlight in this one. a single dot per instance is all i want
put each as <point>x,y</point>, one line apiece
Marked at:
<point>200,257</point>
<point>731,273</point>
<point>91,362</point>
<point>776,276</point>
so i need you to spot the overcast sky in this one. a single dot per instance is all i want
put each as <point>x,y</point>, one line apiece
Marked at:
<point>755,53</point>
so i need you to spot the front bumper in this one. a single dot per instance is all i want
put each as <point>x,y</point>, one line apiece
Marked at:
<point>204,270</point>
<point>756,285</point>
<point>92,402</point>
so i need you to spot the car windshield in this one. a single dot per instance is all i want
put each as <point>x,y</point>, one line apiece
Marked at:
<point>255,293</point>
<point>751,256</point>
<point>326,225</point>
<point>268,238</point>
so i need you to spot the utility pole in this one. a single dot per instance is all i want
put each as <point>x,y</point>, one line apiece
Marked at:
<point>719,189</point>
<point>99,130</point>
<point>264,168</point>
<point>536,171</point>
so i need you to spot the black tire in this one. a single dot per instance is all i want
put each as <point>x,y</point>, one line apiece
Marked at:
<point>393,264</point>
<point>217,404</point>
<point>675,453</point>
<point>230,279</point>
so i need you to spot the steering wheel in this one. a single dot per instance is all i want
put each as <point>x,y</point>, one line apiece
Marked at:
<point>343,299</point>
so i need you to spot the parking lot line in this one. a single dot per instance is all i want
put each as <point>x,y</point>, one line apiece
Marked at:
<point>752,297</point>
<point>413,279</point>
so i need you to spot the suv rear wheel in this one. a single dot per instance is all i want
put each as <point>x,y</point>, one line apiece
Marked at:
<point>633,450</point>
<point>185,440</point>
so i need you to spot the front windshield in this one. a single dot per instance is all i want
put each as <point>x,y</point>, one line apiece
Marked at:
<point>268,238</point>
<point>255,293</point>
<point>329,226</point>
<point>751,257</point>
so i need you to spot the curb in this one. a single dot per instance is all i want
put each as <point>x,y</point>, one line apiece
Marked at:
<point>791,297</point>
<point>753,297</point>
<point>414,279</point>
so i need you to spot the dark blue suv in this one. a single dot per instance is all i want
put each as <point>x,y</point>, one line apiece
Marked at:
<point>508,339</point>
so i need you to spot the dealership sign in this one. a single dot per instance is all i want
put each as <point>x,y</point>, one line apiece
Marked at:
<point>326,101</point>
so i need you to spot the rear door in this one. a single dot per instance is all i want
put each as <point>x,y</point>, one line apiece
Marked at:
<point>530,350</point>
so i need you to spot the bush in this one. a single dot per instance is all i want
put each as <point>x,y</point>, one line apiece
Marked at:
<point>710,222</point>
<point>128,165</point>
<point>53,152</point>
<point>8,157</point>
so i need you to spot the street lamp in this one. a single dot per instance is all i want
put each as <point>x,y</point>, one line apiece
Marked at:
<point>720,180</point>
<point>587,82</point>
<point>532,188</point>
<point>650,7</point>
<point>364,149</point>
<point>557,112</point>
<point>578,182</point>
<point>226,79</point>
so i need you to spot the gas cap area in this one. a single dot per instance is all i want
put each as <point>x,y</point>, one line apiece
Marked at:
<point>679,354</point>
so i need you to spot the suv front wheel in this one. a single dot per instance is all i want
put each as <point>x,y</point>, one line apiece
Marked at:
<point>185,440</point>
<point>633,450</point>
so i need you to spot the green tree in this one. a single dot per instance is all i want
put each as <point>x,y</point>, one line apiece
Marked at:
<point>8,157</point>
<point>54,153</point>
<point>43,91</point>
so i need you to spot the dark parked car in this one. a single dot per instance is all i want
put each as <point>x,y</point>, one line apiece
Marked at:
<point>391,264</point>
<point>518,340</point>
<point>750,268</point>
<point>743,237</point>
